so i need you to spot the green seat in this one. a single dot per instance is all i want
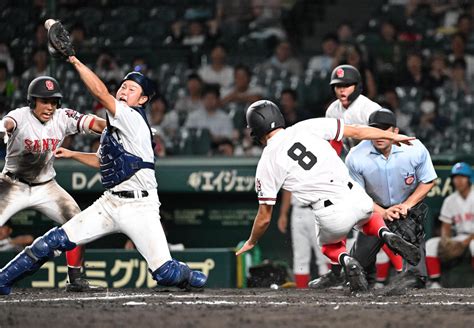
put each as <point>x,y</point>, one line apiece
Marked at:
<point>194,141</point>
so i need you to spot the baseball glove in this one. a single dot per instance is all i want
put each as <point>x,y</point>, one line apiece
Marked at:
<point>450,249</point>
<point>59,41</point>
<point>411,228</point>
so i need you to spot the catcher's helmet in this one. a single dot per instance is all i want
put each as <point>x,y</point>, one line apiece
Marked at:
<point>263,116</point>
<point>148,86</point>
<point>462,168</point>
<point>347,75</point>
<point>43,87</point>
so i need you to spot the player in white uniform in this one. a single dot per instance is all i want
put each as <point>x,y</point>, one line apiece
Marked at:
<point>27,179</point>
<point>354,108</point>
<point>457,217</point>
<point>304,234</point>
<point>351,105</point>
<point>130,204</point>
<point>299,159</point>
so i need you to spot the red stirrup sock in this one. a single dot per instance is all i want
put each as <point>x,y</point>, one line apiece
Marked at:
<point>433,266</point>
<point>397,260</point>
<point>373,226</point>
<point>75,257</point>
<point>334,251</point>
<point>301,280</point>
<point>383,270</point>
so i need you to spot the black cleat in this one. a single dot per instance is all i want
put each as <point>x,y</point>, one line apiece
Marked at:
<point>81,285</point>
<point>400,246</point>
<point>404,281</point>
<point>330,279</point>
<point>355,275</point>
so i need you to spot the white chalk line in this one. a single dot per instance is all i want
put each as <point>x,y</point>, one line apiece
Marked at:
<point>174,299</point>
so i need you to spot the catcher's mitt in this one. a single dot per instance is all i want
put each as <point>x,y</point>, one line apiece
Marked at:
<point>449,249</point>
<point>411,228</point>
<point>59,41</point>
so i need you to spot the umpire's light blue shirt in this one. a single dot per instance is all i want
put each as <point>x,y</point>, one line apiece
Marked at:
<point>391,180</point>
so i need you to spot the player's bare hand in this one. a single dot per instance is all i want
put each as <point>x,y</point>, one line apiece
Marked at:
<point>63,153</point>
<point>247,246</point>
<point>282,223</point>
<point>399,139</point>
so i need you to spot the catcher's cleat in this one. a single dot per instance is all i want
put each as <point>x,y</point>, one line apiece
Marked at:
<point>330,279</point>
<point>400,246</point>
<point>81,285</point>
<point>355,275</point>
<point>195,282</point>
<point>410,279</point>
<point>5,290</point>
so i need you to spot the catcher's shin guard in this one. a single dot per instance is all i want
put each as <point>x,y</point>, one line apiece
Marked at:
<point>175,273</point>
<point>33,257</point>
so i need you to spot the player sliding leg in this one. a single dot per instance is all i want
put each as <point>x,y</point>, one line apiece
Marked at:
<point>354,273</point>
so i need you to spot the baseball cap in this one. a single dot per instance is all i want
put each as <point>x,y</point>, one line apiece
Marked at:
<point>382,119</point>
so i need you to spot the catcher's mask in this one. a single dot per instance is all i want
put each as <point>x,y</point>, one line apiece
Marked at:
<point>43,87</point>
<point>148,86</point>
<point>347,75</point>
<point>263,116</point>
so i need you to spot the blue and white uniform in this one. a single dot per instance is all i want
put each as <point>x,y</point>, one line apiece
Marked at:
<point>137,217</point>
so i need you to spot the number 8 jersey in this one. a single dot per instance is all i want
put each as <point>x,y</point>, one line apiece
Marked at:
<point>301,160</point>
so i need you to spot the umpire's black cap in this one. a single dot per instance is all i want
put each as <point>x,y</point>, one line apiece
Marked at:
<point>382,119</point>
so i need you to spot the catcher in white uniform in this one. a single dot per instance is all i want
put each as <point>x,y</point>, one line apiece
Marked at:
<point>299,159</point>
<point>130,204</point>
<point>34,133</point>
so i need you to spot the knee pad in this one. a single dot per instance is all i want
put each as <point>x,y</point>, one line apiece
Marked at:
<point>175,273</point>
<point>33,257</point>
<point>45,246</point>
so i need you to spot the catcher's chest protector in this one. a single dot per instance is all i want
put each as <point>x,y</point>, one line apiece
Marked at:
<point>117,164</point>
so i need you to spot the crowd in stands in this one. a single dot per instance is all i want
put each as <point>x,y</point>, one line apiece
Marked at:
<point>212,58</point>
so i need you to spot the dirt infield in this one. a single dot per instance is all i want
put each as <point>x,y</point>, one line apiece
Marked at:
<point>236,308</point>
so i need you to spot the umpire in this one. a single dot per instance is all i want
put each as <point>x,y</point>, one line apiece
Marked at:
<point>397,179</point>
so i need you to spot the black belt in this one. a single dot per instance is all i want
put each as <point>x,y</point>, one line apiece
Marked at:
<point>129,194</point>
<point>31,184</point>
<point>327,203</point>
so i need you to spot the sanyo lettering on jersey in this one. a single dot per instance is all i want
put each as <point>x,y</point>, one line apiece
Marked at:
<point>41,145</point>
